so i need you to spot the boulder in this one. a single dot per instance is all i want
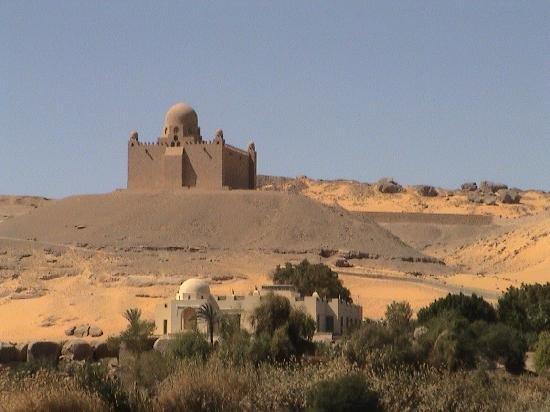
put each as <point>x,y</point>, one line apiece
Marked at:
<point>419,332</point>
<point>343,263</point>
<point>70,331</point>
<point>81,331</point>
<point>22,348</point>
<point>43,351</point>
<point>8,353</point>
<point>469,187</point>
<point>491,187</point>
<point>388,185</point>
<point>427,191</point>
<point>102,350</point>
<point>95,332</point>
<point>510,197</point>
<point>77,350</point>
<point>490,200</point>
<point>162,344</point>
<point>475,197</point>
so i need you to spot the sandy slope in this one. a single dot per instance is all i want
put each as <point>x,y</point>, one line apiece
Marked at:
<point>358,196</point>
<point>88,258</point>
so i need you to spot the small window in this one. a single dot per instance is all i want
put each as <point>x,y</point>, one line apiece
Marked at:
<point>172,144</point>
<point>176,129</point>
<point>165,130</point>
<point>165,327</point>
<point>176,138</point>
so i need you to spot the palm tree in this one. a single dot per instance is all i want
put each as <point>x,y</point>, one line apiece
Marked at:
<point>209,314</point>
<point>138,332</point>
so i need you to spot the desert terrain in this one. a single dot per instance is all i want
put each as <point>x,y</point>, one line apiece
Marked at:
<point>85,259</point>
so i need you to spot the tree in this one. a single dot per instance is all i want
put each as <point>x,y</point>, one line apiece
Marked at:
<point>280,331</point>
<point>210,316</point>
<point>470,307</point>
<point>526,308</point>
<point>500,342</point>
<point>398,315</point>
<point>309,278</point>
<point>138,332</point>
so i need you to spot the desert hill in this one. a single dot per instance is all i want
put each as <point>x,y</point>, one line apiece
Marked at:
<point>229,220</point>
<point>366,197</point>
<point>85,259</point>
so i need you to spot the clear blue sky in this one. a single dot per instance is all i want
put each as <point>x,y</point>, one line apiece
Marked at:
<point>437,92</point>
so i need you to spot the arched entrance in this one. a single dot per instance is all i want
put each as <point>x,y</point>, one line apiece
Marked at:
<point>188,319</point>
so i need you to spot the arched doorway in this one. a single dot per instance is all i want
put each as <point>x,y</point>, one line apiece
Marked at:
<point>188,319</point>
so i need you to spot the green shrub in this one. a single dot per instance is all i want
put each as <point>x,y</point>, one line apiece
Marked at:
<point>309,278</point>
<point>398,316</point>
<point>471,308</point>
<point>500,342</point>
<point>345,393</point>
<point>187,345</point>
<point>94,378</point>
<point>526,308</point>
<point>280,331</point>
<point>391,346</point>
<point>542,353</point>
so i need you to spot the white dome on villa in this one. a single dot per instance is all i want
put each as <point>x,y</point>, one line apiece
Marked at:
<point>193,288</point>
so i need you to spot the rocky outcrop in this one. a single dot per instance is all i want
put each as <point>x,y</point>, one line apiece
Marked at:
<point>469,187</point>
<point>491,187</point>
<point>343,263</point>
<point>77,350</point>
<point>43,351</point>
<point>427,191</point>
<point>510,197</point>
<point>81,331</point>
<point>388,185</point>
<point>8,353</point>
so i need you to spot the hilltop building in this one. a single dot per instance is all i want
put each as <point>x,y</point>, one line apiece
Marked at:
<point>332,316</point>
<point>180,158</point>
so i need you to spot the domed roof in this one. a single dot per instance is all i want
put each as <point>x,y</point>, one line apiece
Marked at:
<point>181,114</point>
<point>194,286</point>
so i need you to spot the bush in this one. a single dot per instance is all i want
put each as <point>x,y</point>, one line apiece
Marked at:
<point>280,331</point>
<point>502,343</point>
<point>392,347</point>
<point>346,393</point>
<point>471,308</point>
<point>93,378</point>
<point>542,353</point>
<point>189,345</point>
<point>526,308</point>
<point>309,278</point>
<point>398,316</point>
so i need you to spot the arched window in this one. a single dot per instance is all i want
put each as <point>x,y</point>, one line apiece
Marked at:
<point>165,130</point>
<point>172,144</point>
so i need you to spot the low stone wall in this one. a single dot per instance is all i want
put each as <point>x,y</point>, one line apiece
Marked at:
<point>53,352</point>
<point>435,218</point>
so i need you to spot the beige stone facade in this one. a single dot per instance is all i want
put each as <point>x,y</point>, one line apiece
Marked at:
<point>180,158</point>
<point>332,316</point>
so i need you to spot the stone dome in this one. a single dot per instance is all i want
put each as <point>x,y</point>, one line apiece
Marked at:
<point>181,115</point>
<point>195,288</point>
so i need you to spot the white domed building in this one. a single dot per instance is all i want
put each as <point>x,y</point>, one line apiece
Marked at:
<point>180,158</point>
<point>332,316</point>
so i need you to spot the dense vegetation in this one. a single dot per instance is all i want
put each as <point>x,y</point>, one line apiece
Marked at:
<point>447,360</point>
<point>309,278</point>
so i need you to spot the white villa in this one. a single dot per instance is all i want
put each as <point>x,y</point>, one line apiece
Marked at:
<point>332,316</point>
